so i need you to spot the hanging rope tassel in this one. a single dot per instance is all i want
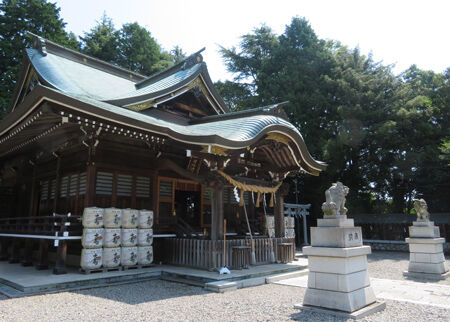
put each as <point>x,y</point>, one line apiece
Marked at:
<point>258,199</point>
<point>271,200</point>
<point>241,201</point>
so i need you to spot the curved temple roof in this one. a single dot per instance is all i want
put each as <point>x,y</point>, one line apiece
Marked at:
<point>87,88</point>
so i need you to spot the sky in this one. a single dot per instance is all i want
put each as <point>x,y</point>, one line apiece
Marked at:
<point>395,32</point>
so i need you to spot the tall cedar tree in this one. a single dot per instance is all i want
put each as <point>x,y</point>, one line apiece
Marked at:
<point>16,18</point>
<point>384,136</point>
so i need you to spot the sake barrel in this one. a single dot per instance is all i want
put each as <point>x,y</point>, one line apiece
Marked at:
<point>91,258</point>
<point>112,237</point>
<point>93,217</point>
<point>145,255</point>
<point>129,256</point>
<point>130,218</point>
<point>145,219</point>
<point>145,237</point>
<point>113,218</point>
<point>111,257</point>
<point>129,236</point>
<point>92,237</point>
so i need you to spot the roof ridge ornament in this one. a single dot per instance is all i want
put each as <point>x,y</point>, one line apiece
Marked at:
<point>194,59</point>
<point>39,43</point>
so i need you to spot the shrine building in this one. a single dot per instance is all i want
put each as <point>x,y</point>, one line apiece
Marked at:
<point>81,133</point>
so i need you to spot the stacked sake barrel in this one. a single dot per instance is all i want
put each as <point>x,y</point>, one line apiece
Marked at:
<point>129,254</point>
<point>289,224</point>
<point>113,237</point>
<point>145,237</point>
<point>92,239</point>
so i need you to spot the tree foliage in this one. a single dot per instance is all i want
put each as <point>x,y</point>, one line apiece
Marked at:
<point>17,17</point>
<point>131,47</point>
<point>384,136</point>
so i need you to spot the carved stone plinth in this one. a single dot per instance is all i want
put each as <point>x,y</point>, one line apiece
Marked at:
<point>426,254</point>
<point>425,249</point>
<point>338,277</point>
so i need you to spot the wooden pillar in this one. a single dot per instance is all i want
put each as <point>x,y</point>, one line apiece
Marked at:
<point>33,196</point>
<point>42,255</point>
<point>279,211</point>
<point>57,182</point>
<point>15,252</point>
<point>61,254</point>
<point>27,259</point>
<point>217,211</point>
<point>5,242</point>
<point>155,197</point>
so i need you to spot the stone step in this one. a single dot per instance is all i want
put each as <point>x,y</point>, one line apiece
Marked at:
<point>227,285</point>
<point>178,279</point>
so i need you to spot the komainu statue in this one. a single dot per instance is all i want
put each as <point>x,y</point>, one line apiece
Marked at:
<point>421,208</point>
<point>335,200</point>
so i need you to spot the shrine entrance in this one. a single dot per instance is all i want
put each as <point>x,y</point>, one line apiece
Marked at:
<point>188,207</point>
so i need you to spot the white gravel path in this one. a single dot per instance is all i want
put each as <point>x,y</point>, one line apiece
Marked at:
<point>166,301</point>
<point>391,265</point>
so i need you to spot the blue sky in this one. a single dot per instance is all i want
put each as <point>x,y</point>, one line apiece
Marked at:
<point>396,32</point>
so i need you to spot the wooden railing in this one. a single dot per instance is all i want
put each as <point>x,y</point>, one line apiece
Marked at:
<point>41,225</point>
<point>208,254</point>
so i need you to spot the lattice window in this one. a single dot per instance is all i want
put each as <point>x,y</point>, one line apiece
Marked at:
<point>165,189</point>
<point>82,189</point>
<point>44,190</point>
<point>104,184</point>
<point>207,194</point>
<point>63,186</point>
<point>124,185</point>
<point>143,187</point>
<point>73,185</point>
<point>52,189</point>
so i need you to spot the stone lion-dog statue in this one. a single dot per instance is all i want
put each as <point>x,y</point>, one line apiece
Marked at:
<point>335,200</point>
<point>420,205</point>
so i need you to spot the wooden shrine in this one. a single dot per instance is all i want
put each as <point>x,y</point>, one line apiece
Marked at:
<point>81,132</point>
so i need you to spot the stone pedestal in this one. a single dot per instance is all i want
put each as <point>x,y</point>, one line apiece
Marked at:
<point>426,254</point>
<point>338,277</point>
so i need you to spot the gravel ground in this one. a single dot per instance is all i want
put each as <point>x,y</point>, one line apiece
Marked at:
<point>166,301</point>
<point>391,265</point>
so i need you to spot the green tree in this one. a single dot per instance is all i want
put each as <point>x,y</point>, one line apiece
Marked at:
<point>139,51</point>
<point>16,18</point>
<point>102,41</point>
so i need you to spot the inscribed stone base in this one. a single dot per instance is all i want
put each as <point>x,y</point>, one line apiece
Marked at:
<point>342,301</point>
<point>424,231</point>
<point>358,314</point>
<point>336,236</point>
<point>428,268</point>
<point>431,277</point>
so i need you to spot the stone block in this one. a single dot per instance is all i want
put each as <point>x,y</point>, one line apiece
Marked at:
<point>339,282</point>
<point>427,258</point>
<point>425,248</point>
<point>412,240</point>
<point>429,268</point>
<point>335,222</point>
<point>424,232</point>
<point>338,265</point>
<point>423,223</point>
<point>336,252</point>
<point>343,301</point>
<point>355,315</point>
<point>336,236</point>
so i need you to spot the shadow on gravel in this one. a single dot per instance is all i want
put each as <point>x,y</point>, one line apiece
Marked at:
<point>310,316</point>
<point>387,256</point>
<point>142,292</point>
